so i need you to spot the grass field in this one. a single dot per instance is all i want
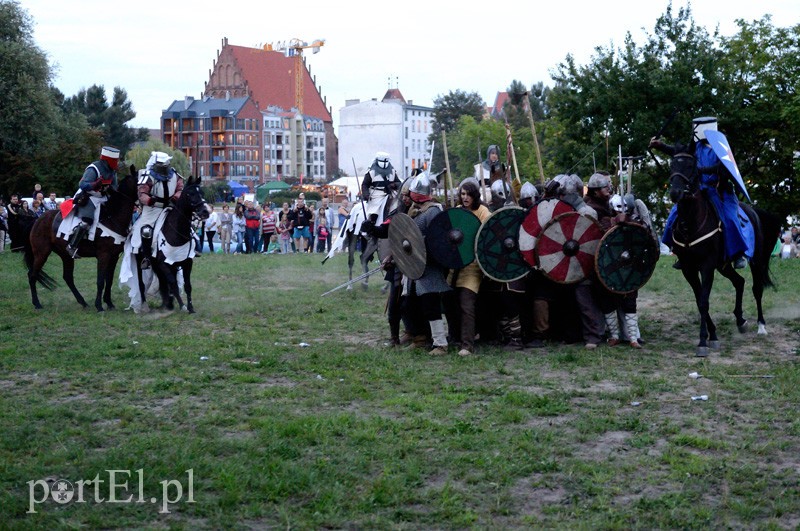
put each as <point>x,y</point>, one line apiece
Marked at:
<point>226,415</point>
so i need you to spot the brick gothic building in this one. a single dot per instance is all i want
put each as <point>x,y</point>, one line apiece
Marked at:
<point>267,77</point>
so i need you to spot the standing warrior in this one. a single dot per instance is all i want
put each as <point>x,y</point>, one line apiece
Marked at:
<point>379,183</point>
<point>98,179</point>
<point>490,168</point>
<point>158,184</point>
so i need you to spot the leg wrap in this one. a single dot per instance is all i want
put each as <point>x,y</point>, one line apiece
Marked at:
<point>612,325</point>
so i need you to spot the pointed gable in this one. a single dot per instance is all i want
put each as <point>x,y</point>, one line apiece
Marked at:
<point>265,76</point>
<point>393,95</point>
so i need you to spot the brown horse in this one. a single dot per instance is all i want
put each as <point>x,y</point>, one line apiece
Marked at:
<point>116,214</point>
<point>698,244</point>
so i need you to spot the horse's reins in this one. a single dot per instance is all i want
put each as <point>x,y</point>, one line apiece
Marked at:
<point>698,240</point>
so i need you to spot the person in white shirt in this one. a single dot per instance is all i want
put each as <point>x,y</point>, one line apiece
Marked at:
<point>212,223</point>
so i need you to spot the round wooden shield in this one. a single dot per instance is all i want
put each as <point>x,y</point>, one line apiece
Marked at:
<point>626,257</point>
<point>534,223</point>
<point>497,245</point>
<point>450,238</point>
<point>407,245</point>
<point>566,247</point>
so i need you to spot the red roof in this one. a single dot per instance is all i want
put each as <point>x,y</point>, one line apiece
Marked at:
<point>499,102</point>
<point>393,94</point>
<point>269,76</point>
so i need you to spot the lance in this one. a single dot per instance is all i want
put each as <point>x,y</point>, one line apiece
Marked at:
<point>350,282</point>
<point>529,112</point>
<point>359,189</point>
<point>511,155</point>
<point>447,167</point>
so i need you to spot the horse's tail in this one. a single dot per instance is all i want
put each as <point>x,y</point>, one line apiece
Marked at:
<point>769,226</point>
<point>42,277</point>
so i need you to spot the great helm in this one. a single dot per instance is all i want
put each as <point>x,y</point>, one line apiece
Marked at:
<point>701,125</point>
<point>599,180</point>
<point>382,159</point>
<point>110,155</point>
<point>159,163</point>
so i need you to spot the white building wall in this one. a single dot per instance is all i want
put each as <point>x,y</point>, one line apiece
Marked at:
<point>366,128</point>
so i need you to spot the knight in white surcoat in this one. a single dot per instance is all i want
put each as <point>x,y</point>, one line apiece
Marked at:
<point>159,185</point>
<point>380,182</point>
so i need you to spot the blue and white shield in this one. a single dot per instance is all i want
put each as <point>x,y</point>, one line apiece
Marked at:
<point>720,145</point>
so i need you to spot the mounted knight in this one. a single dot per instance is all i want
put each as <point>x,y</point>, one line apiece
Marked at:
<point>380,183</point>
<point>99,178</point>
<point>159,185</point>
<point>719,183</point>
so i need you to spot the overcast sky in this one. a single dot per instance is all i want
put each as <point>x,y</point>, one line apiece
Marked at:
<point>161,51</point>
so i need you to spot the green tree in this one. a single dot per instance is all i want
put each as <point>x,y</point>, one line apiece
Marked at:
<point>447,111</point>
<point>26,104</point>
<point>760,110</point>
<point>626,95</point>
<point>139,155</point>
<point>110,119</point>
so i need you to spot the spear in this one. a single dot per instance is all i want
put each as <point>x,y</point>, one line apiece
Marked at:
<point>511,155</point>
<point>529,112</point>
<point>447,166</point>
<point>359,188</point>
<point>351,282</point>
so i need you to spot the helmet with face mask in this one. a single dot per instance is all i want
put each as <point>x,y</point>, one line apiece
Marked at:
<point>159,165</point>
<point>701,125</point>
<point>615,201</point>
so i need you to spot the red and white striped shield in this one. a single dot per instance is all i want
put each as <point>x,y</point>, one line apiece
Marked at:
<point>535,220</point>
<point>566,248</point>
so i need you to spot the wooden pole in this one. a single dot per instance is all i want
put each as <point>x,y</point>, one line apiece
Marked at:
<point>535,139</point>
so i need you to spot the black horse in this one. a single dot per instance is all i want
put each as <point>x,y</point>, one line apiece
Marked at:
<point>115,214</point>
<point>174,247</point>
<point>699,245</point>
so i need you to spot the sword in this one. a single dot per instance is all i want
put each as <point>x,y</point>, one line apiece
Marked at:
<point>350,282</point>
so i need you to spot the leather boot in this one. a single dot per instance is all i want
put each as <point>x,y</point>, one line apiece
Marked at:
<point>78,234</point>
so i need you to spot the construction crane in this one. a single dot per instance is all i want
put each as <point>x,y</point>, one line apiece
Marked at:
<point>294,48</point>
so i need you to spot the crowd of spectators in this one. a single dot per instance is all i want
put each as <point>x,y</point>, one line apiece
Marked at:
<point>295,227</point>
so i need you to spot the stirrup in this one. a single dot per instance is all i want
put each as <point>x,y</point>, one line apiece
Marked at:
<point>740,263</point>
<point>145,263</point>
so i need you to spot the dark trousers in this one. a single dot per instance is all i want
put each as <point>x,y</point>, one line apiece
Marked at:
<point>211,234</point>
<point>250,240</point>
<point>265,236</point>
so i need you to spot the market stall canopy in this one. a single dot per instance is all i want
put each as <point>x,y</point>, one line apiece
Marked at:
<point>263,190</point>
<point>237,189</point>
